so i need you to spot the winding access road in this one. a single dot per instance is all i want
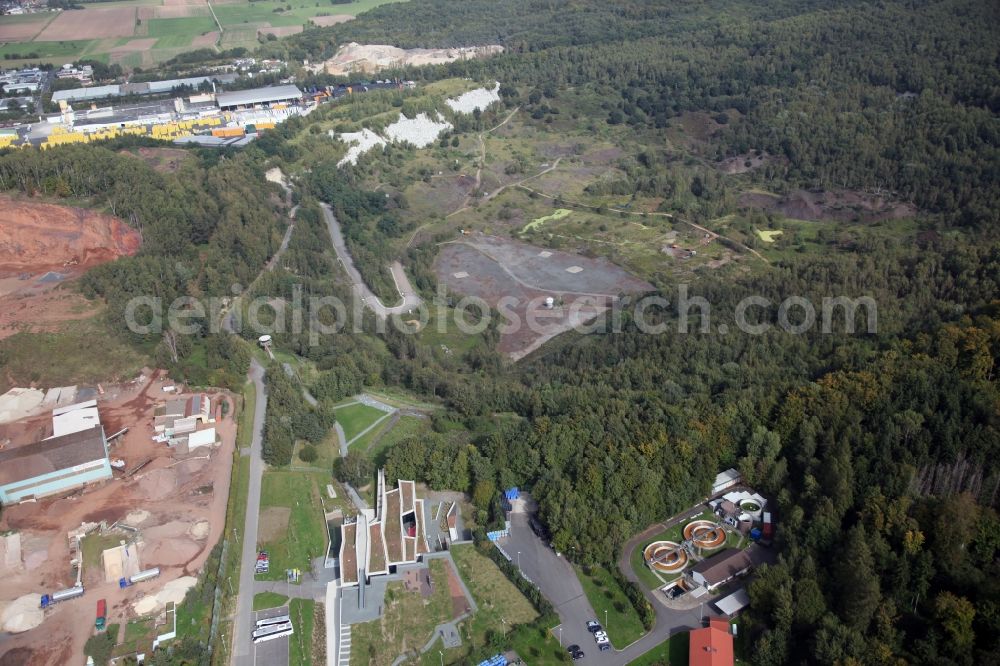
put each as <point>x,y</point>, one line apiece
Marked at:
<point>410,299</point>
<point>243,647</point>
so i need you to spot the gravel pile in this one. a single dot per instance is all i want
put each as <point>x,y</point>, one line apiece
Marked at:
<point>420,131</point>
<point>362,141</point>
<point>480,99</point>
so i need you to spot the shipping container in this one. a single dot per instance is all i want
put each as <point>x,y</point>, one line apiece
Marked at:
<point>102,615</point>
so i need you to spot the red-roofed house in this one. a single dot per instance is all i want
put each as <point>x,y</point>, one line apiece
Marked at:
<point>712,645</point>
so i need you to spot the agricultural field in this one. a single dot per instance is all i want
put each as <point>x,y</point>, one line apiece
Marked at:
<point>144,32</point>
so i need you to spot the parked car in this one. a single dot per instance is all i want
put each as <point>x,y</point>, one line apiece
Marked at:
<point>593,626</point>
<point>600,636</point>
<point>540,530</point>
<point>579,654</point>
<point>573,648</point>
<point>605,646</point>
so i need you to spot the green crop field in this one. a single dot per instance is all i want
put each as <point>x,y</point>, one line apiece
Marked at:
<point>175,35</point>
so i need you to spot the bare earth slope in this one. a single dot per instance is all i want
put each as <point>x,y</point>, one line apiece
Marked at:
<point>38,236</point>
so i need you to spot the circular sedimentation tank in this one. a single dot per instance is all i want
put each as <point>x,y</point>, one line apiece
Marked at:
<point>705,534</point>
<point>665,556</point>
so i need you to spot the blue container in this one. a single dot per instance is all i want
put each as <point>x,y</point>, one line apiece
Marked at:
<point>755,534</point>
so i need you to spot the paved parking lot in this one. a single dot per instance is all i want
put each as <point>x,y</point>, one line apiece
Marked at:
<point>271,653</point>
<point>555,577</point>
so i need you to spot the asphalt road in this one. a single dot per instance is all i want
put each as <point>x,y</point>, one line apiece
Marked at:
<point>409,296</point>
<point>557,580</point>
<point>668,620</point>
<point>243,648</point>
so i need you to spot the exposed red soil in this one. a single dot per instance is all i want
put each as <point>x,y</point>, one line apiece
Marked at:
<point>37,237</point>
<point>166,542</point>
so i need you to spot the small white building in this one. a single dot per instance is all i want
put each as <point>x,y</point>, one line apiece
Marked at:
<point>201,438</point>
<point>725,480</point>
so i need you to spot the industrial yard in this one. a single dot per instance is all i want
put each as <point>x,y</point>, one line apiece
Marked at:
<point>162,508</point>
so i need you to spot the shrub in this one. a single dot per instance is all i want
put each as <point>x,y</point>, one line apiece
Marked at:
<point>308,453</point>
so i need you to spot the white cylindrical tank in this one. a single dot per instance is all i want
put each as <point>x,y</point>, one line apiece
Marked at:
<point>145,575</point>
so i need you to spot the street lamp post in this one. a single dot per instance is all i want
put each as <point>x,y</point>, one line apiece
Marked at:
<point>605,619</point>
<point>441,654</point>
<point>560,635</point>
<point>519,563</point>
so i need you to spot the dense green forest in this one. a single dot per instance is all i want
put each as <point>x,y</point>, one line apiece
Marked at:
<point>879,450</point>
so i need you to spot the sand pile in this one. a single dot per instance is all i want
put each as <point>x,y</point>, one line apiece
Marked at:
<point>200,530</point>
<point>360,142</point>
<point>136,518</point>
<point>420,131</point>
<point>18,402</point>
<point>475,99</point>
<point>173,591</point>
<point>370,58</point>
<point>22,614</point>
<point>158,484</point>
<point>34,236</point>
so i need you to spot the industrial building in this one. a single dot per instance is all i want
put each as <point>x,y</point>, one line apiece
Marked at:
<point>181,415</point>
<point>54,465</point>
<point>258,98</point>
<point>144,88</point>
<point>711,645</point>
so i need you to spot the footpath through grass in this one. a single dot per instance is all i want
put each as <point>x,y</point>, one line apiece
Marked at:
<point>355,418</point>
<point>406,623</point>
<point>622,622</point>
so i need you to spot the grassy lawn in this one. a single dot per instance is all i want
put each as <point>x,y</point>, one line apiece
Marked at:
<point>495,595</point>
<point>355,418</point>
<point>245,428</point>
<point>406,427</point>
<point>675,534</point>
<point>362,443</point>
<point>304,536</point>
<point>93,545</point>
<point>673,652</point>
<point>68,356</point>
<point>406,623</point>
<point>303,612</point>
<point>623,623</point>
<point>235,521</point>
<point>265,600</point>
<point>194,619</point>
<point>326,451</point>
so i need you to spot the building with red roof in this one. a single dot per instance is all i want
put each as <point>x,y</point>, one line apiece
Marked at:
<point>711,645</point>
